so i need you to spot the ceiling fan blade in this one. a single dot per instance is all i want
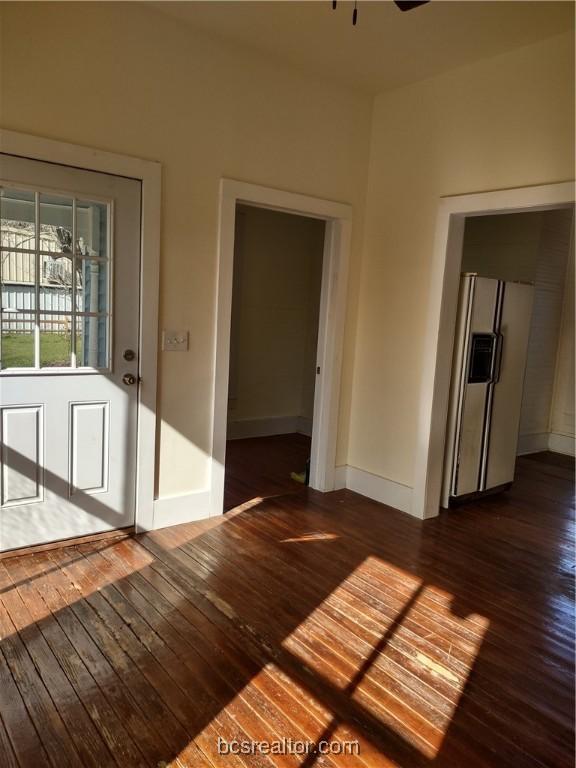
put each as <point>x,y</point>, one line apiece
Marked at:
<point>410,4</point>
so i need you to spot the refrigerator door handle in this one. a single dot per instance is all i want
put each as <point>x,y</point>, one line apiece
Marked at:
<point>497,358</point>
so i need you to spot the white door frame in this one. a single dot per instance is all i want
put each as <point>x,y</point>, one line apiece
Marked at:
<point>440,328</point>
<point>150,174</point>
<point>338,218</point>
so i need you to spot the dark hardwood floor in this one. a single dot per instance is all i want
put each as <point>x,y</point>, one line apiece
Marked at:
<point>307,616</point>
<point>260,467</point>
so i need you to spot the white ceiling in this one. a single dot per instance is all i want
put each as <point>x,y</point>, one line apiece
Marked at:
<point>387,48</point>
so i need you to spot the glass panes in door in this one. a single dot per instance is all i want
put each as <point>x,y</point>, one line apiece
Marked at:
<point>55,276</point>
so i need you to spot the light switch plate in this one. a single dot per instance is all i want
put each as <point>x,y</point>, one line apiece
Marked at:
<point>174,341</point>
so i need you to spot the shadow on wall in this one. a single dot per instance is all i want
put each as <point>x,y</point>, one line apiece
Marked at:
<point>425,642</point>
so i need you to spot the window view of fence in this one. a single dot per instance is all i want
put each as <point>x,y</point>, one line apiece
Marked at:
<point>55,296</point>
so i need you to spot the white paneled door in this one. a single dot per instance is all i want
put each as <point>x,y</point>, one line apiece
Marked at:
<point>70,267</point>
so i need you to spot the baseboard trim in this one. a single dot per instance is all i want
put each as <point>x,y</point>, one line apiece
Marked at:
<point>304,426</point>
<point>532,443</point>
<point>190,507</point>
<point>545,441</point>
<point>375,487</point>
<point>380,489</point>
<point>186,508</point>
<point>276,425</point>
<point>340,477</point>
<point>562,444</point>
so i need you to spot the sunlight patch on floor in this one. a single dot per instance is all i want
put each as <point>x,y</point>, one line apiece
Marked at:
<point>311,536</point>
<point>273,685</point>
<point>250,504</point>
<point>393,646</point>
<point>47,564</point>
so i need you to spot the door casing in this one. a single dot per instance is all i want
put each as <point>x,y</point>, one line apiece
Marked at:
<point>149,173</point>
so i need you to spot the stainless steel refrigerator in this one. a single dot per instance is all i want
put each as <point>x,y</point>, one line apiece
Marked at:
<point>492,332</point>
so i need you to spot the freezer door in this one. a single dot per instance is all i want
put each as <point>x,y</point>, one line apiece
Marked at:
<point>507,396</point>
<point>457,386</point>
<point>476,387</point>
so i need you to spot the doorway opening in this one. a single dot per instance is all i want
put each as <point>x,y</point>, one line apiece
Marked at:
<point>512,383</point>
<point>309,332</point>
<point>277,277</point>
<point>441,321</point>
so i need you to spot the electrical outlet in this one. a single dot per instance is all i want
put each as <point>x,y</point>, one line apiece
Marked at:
<point>174,341</point>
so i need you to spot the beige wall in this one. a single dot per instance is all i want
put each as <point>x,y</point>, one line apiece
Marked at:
<point>502,122</point>
<point>124,78</point>
<point>275,306</point>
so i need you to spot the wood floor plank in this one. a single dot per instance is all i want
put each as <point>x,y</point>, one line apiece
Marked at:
<point>484,704</point>
<point>223,613</point>
<point>317,653</point>
<point>24,742</point>
<point>433,625</point>
<point>229,660</point>
<point>181,695</point>
<point>179,657</point>
<point>79,657</point>
<point>213,641</point>
<point>148,683</point>
<point>511,610</point>
<point>227,684</point>
<point>52,730</point>
<point>6,750</point>
<point>262,467</point>
<point>372,605</point>
<point>293,673</point>
<point>132,701</point>
<point>436,644</point>
<point>91,748</point>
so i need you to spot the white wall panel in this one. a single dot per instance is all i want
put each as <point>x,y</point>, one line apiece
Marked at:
<point>562,420</point>
<point>549,282</point>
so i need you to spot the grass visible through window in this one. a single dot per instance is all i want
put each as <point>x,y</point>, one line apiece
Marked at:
<point>18,350</point>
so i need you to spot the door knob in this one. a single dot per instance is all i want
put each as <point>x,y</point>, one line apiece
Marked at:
<point>129,379</point>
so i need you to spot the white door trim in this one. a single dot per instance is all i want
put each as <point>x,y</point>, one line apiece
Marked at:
<point>441,320</point>
<point>150,174</point>
<point>338,218</point>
